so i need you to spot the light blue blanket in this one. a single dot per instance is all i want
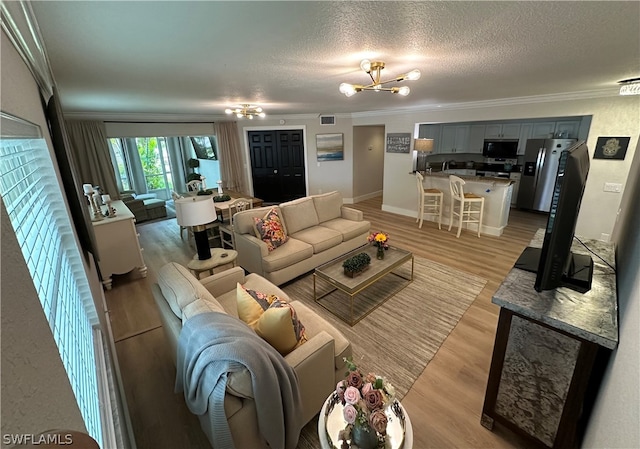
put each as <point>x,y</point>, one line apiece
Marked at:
<point>213,345</point>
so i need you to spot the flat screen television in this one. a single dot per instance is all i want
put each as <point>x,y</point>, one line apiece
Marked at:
<point>554,264</point>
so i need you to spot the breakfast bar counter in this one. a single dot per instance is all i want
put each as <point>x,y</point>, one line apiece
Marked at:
<point>496,192</point>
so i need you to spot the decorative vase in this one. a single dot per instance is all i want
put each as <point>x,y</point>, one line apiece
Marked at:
<point>380,253</point>
<point>364,436</point>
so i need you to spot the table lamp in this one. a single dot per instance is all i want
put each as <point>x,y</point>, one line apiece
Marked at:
<point>197,212</point>
<point>423,147</point>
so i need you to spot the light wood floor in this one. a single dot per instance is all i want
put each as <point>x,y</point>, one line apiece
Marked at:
<point>444,404</point>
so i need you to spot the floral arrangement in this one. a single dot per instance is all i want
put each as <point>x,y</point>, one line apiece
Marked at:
<point>364,399</point>
<point>379,239</point>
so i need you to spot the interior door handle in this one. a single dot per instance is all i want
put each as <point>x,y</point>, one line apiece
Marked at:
<point>275,171</point>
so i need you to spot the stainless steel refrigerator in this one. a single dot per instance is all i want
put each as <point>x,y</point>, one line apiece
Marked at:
<point>539,170</point>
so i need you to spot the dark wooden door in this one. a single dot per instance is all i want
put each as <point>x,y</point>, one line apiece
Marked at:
<point>277,165</point>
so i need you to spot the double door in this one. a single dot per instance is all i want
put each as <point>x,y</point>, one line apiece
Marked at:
<point>277,165</point>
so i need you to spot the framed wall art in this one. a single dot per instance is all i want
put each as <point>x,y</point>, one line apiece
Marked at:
<point>330,147</point>
<point>398,142</point>
<point>611,148</point>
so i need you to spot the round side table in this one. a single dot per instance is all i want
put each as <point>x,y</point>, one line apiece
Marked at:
<point>219,257</point>
<point>333,422</point>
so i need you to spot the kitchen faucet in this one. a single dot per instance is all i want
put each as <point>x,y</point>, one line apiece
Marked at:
<point>445,165</point>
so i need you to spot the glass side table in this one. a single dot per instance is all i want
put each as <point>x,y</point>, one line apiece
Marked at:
<point>331,422</point>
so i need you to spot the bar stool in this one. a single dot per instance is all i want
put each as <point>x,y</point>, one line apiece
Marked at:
<point>468,210</point>
<point>429,201</point>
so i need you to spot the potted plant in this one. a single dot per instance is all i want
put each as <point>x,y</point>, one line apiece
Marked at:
<point>356,264</point>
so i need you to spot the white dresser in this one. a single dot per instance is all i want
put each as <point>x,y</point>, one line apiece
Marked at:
<point>118,246</point>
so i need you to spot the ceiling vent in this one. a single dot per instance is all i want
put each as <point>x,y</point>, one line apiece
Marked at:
<point>327,119</point>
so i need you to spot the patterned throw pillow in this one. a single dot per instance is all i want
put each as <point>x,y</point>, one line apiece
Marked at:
<point>270,230</point>
<point>271,318</point>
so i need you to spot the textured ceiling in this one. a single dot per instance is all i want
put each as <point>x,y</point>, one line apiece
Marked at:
<point>197,58</point>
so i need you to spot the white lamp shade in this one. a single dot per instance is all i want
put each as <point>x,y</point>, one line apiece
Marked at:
<point>195,210</point>
<point>423,145</point>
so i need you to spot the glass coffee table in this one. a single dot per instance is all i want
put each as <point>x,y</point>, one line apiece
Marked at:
<point>366,291</point>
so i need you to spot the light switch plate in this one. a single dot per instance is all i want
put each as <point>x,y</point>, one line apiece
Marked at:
<point>612,187</point>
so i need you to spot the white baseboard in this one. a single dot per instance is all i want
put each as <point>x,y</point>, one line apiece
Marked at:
<point>367,196</point>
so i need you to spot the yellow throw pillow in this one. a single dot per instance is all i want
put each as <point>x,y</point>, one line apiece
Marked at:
<point>271,318</point>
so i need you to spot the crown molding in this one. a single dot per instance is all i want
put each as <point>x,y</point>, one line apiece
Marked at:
<point>567,96</point>
<point>209,118</point>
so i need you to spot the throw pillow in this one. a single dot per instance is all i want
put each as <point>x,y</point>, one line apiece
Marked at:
<point>270,230</point>
<point>271,318</point>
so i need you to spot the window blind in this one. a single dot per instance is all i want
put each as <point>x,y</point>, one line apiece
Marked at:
<point>35,205</point>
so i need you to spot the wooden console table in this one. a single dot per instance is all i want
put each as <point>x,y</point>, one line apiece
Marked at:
<point>550,352</point>
<point>118,246</point>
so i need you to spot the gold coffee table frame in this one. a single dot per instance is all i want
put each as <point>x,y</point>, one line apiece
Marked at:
<point>333,273</point>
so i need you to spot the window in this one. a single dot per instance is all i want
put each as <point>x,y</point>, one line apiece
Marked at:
<point>206,147</point>
<point>155,162</point>
<point>33,199</point>
<point>159,164</point>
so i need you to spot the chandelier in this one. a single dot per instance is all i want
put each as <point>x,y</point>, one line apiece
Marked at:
<point>246,111</point>
<point>373,69</point>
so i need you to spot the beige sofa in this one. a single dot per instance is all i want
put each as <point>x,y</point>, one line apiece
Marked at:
<point>319,229</point>
<point>318,363</point>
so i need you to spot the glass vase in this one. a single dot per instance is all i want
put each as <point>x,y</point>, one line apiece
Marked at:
<point>364,436</point>
<point>380,253</point>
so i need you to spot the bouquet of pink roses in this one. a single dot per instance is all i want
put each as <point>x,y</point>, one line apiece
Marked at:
<point>364,399</point>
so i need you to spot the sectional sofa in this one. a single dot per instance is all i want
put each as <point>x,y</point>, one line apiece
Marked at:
<point>316,228</point>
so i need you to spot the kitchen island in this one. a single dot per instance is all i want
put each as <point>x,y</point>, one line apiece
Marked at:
<point>496,192</point>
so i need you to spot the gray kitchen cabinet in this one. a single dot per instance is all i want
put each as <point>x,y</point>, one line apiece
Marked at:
<point>476,139</point>
<point>526,130</point>
<point>567,129</point>
<point>543,130</point>
<point>430,132</point>
<point>454,139</point>
<point>502,131</point>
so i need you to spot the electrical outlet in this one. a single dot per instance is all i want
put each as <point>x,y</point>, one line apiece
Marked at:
<point>612,187</point>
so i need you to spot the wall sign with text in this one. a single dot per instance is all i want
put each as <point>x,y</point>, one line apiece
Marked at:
<point>398,142</point>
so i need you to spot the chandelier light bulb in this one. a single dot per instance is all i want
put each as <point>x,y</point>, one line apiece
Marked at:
<point>404,91</point>
<point>413,75</point>
<point>228,111</point>
<point>366,65</point>
<point>239,114</point>
<point>258,109</point>
<point>262,115</point>
<point>347,89</point>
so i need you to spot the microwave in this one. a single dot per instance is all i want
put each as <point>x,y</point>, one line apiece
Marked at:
<point>501,149</point>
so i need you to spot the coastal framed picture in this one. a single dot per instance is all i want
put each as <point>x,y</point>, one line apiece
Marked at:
<point>330,147</point>
<point>611,148</point>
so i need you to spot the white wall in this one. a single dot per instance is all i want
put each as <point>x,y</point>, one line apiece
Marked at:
<point>321,176</point>
<point>616,416</point>
<point>36,394</point>
<point>368,161</point>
